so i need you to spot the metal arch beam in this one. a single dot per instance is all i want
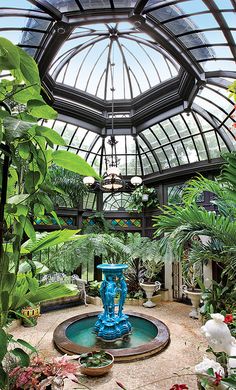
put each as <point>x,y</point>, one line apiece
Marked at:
<point>224,26</point>
<point>151,45</point>
<point>139,6</point>
<point>221,73</point>
<point>127,69</point>
<point>173,46</point>
<point>199,125</point>
<point>74,52</point>
<point>160,4</point>
<point>107,68</point>
<point>184,170</point>
<point>214,125</point>
<point>8,12</point>
<point>45,6</point>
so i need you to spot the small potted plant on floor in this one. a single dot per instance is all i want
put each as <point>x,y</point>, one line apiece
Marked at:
<point>96,363</point>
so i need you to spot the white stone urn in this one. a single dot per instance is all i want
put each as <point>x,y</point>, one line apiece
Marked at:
<point>149,289</point>
<point>195,297</point>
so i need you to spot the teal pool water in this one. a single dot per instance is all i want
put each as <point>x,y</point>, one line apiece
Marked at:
<point>81,332</point>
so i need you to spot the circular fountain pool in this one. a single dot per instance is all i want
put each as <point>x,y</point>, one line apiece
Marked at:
<point>149,336</point>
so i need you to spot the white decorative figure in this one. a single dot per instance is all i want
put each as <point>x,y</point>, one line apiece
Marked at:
<point>219,338</point>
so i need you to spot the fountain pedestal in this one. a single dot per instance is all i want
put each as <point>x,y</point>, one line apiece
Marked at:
<point>112,324</point>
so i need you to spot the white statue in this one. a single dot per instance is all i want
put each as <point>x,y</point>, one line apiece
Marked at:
<point>219,338</point>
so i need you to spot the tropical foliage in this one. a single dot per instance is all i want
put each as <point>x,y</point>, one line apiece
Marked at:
<point>137,201</point>
<point>27,154</point>
<point>70,184</point>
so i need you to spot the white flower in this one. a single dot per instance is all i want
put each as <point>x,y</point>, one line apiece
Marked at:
<point>202,367</point>
<point>218,317</point>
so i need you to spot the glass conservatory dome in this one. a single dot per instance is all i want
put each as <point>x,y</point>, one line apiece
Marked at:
<point>172,62</point>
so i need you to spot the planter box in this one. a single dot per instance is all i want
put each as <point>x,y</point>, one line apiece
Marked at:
<point>94,300</point>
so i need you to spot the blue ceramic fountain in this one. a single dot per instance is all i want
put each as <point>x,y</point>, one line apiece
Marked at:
<point>112,324</point>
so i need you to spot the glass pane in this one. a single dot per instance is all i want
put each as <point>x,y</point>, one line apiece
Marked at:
<point>225,4</point>
<point>160,135</point>
<point>192,6</point>
<point>178,146</point>
<point>191,150</point>
<point>208,37</point>
<point>162,158</point>
<point>212,144</point>
<point>200,147</point>
<point>171,156</point>
<point>87,4</point>
<point>230,18</point>
<point>219,65</point>
<point>191,123</point>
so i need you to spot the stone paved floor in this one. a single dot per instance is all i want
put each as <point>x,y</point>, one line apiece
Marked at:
<point>187,348</point>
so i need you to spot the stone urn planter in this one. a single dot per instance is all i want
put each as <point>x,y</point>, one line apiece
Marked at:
<point>195,297</point>
<point>96,363</point>
<point>150,288</point>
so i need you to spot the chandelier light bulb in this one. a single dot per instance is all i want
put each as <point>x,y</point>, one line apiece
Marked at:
<point>88,180</point>
<point>136,180</point>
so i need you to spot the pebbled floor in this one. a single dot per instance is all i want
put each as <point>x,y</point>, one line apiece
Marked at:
<point>186,348</point>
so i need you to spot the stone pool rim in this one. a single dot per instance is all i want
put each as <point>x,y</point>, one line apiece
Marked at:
<point>153,347</point>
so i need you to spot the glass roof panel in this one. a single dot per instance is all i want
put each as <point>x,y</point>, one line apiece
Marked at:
<point>62,5</point>
<point>230,18</point>
<point>85,61</point>
<point>89,4</point>
<point>209,37</point>
<point>192,6</point>
<point>200,147</point>
<point>225,4</point>
<point>219,65</point>
<point>124,3</point>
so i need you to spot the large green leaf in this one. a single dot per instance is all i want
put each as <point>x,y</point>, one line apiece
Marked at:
<point>15,128</point>
<point>47,240</point>
<point>17,198</point>
<point>52,291</point>
<point>24,150</point>
<point>50,135</point>
<point>24,359</point>
<point>73,162</point>
<point>3,344</point>
<point>29,69</point>
<point>3,377</point>
<point>40,109</point>
<point>9,55</point>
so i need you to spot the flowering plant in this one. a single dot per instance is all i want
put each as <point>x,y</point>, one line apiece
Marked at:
<point>41,374</point>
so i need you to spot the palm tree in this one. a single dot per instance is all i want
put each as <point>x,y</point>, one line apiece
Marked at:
<point>181,224</point>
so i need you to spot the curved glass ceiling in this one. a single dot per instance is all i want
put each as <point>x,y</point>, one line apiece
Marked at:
<point>172,62</point>
<point>90,54</point>
<point>183,139</point>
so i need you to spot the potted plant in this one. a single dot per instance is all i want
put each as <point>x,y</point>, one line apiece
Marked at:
<point>192,273</point>
<point>96,363</point>
<point>142,197</point>
<point>94,293</point>
<point>149,284</point>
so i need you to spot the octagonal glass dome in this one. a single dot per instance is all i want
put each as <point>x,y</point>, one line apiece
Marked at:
<point>86,59</point>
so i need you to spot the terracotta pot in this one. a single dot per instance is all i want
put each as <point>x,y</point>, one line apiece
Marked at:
<point>97,371</point>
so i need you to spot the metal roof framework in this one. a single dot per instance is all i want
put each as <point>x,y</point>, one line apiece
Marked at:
<point>180,121</point>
